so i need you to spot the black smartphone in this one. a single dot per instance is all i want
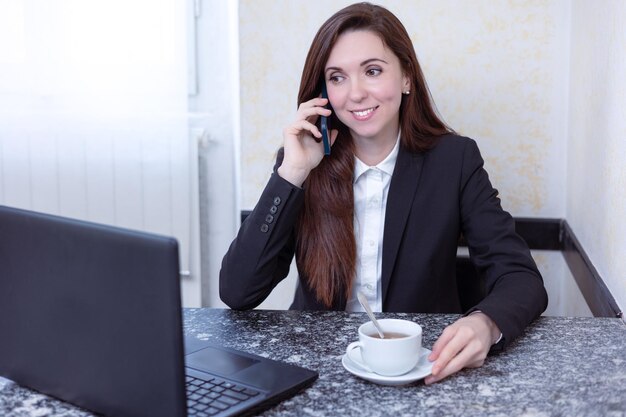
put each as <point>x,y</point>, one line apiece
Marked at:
<point>325,123</point>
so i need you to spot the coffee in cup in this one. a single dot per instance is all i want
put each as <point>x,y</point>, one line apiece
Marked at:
<point>389,335</point>
<point>396,354</point>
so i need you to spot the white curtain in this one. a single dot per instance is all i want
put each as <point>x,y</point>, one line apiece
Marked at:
<point>93,112</point>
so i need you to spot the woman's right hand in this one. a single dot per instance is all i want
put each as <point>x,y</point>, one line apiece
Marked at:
<point>304,149</point>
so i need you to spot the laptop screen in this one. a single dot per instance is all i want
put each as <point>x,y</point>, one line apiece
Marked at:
<point>80,303</point>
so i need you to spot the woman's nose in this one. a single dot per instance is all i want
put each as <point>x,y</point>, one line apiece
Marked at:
<point>357,91</point>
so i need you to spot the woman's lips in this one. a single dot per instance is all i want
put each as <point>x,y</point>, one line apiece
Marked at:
<point>365,114</point>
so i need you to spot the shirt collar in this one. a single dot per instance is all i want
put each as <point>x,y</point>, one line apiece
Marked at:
<point>386,165</point>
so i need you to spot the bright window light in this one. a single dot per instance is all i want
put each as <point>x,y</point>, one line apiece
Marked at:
<point>12,37</point>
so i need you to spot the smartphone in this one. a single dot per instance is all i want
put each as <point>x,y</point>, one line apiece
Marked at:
<point>325,123</point>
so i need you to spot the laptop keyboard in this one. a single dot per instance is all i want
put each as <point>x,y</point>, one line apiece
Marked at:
<point>208,397</point>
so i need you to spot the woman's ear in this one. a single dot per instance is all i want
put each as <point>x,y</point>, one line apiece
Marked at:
<point>406,85</point>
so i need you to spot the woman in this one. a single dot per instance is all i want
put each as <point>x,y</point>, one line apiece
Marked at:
<point>382,214</point>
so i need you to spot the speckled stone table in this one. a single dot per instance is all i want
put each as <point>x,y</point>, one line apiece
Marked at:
<point>559,367</point>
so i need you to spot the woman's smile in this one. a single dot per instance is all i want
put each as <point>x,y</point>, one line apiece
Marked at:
<point>363,115</point>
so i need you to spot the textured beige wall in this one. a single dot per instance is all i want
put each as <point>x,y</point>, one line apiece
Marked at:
<point>496,70</point>
<point>596,175</point>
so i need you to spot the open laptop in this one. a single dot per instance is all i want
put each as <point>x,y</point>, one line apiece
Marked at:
<point>91,314</point>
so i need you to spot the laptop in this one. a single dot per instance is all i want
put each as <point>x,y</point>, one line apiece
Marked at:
<point>91,314</point>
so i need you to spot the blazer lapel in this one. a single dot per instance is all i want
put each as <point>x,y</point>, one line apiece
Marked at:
<point>404,180</point>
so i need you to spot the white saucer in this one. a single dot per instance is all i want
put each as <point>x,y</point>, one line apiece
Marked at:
<point>422,369</point>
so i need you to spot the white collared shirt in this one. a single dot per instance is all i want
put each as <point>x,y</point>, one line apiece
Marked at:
<point>371,187</point>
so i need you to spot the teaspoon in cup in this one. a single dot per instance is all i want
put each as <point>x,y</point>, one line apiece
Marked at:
<point>369,312</point>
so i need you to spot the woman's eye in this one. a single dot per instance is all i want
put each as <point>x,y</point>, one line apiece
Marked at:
<point>335,79</point>
<point>372,72</point>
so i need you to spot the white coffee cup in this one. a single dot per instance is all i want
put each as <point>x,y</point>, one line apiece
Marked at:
<point>391,356</point>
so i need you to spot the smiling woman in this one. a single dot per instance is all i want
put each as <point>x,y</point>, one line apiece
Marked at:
<point>514,76</point>
<point>396,175</point>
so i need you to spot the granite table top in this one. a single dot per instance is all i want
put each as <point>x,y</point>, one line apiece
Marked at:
<point>559,367</point>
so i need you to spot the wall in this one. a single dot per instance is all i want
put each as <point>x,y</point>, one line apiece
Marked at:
<point>596,174</point>
<point>497,72</point>
<point>215,111</point>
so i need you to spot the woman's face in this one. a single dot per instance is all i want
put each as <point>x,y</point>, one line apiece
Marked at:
<point>365,82</point>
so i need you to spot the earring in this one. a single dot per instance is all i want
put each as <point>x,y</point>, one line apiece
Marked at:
<point>407,92</point>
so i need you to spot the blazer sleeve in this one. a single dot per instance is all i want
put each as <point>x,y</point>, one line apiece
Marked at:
<point>515,290</point>
<point>260,256</point>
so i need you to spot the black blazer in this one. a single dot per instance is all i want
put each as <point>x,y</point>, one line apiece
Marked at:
<point>434,197</point>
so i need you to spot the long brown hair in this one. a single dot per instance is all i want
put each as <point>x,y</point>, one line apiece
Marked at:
<point>326,253</point>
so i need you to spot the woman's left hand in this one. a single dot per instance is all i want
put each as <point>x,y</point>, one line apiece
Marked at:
<point>463,344</point>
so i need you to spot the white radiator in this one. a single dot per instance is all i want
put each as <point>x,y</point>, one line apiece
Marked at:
<point>134,178</point>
